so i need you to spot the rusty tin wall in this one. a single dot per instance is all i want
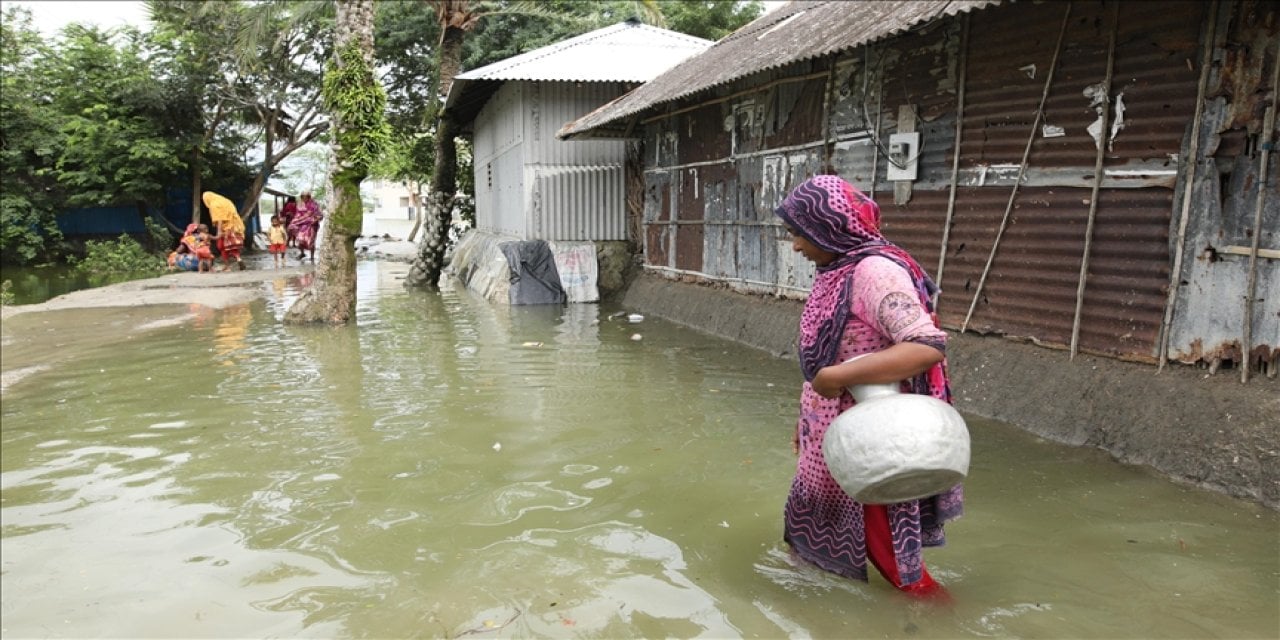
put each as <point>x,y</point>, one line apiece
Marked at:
<point>1031,287</point>
<point>1208,311</point>
<point>718,167</point>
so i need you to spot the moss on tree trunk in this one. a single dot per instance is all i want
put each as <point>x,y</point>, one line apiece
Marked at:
<point>356,102</point>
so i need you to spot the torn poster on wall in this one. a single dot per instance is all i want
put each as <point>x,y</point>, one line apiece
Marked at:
<point>1097,95</point>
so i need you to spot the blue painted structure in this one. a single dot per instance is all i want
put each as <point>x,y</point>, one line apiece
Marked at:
<point>113,221</point>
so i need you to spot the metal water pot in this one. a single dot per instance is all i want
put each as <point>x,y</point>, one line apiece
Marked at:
<point>893,447</point>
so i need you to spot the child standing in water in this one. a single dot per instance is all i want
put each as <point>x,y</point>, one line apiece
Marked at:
<point>277,241</point>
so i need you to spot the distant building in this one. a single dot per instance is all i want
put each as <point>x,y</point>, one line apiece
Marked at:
<point>394,211</point>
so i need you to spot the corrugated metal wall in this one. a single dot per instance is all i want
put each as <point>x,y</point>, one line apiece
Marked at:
<point>1209,306</point>
<point>576,203</point>
<point>499,162</point>
<point>531,185</point>
<point>715,169</point>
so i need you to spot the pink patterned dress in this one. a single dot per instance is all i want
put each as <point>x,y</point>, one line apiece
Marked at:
<point>822,523</point>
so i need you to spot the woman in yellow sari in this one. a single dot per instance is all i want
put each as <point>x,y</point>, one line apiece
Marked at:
<point>230,228</point>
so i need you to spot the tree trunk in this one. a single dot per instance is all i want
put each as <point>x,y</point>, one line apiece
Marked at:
<point>332,296</point>
<point>429,263</point>
<point>145,215</point>
<point>197,162</point>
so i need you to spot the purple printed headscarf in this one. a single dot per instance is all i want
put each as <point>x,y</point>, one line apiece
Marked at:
<point>838,218</point>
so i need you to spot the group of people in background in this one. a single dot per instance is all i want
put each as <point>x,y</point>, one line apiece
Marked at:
<point>301,221</point>
<point>297,225</point>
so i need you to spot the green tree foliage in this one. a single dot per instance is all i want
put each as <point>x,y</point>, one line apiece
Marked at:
<point>92,117</point>
<point>124,132</point>
<point>123,256</point>
<point>405,37</point>
<point>29,140</point>
<point>252,71</point>
<point>205,90</point>
<point>710,19</point>
<point>505,33</point>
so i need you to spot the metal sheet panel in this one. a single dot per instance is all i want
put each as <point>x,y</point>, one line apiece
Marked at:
<point>499,158</point>
<point>627,51</point>
<point>579,203</point>
<point>1030,290</point>
<point>1209,315</point>
<point>548,105</point>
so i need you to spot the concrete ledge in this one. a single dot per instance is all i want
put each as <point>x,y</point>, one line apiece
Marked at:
<point>1209,431</point>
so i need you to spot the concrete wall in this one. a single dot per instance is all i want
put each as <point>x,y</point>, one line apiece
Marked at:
<point>1209,431</point>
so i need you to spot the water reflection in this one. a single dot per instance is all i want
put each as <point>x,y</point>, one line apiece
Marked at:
<point>449,468</point>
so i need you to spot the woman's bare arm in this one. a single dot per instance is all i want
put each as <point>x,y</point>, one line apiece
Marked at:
<point>897,363</point>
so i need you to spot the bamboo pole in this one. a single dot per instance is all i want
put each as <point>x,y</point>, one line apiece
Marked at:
<point>1210,40</point>
<point>827,147</point>
<point>961,74</point>
<point>875,154</point>
<point>1022,168</point>
<point>1098,175</point>
<point>1269,132</point>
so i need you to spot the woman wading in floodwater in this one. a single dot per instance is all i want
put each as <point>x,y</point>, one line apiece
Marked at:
<point>868,297</point>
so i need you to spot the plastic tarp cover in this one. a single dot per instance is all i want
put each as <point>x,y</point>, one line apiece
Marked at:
<point>534,279</point>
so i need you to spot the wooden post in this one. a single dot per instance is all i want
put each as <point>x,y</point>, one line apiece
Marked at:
<point>1268,132</point>
<point>1098,175</point>
<point>1022,168</point>
<point>1210,41</point>
<point>875,153</point>
<point>906,124</point>
<point>955,157</point>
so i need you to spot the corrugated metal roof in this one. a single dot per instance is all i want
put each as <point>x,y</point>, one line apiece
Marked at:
<point>800,30</point>
<point>625,52</point>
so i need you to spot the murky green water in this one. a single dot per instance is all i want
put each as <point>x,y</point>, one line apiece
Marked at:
<point>30,285</point>
<point>450,468</point>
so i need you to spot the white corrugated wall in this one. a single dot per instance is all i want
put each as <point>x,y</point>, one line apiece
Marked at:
<point>499,138</point>
<point>576,203</point>
<point>575,188</point>
<point>532,185</point>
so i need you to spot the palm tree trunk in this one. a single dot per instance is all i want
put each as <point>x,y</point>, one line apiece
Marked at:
<point>429,263</point>
<point>332,296</point>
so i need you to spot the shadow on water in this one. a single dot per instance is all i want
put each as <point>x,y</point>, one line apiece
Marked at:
<point>451,468</point>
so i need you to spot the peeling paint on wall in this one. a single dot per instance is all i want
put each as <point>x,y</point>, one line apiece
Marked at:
<point>738,153</point>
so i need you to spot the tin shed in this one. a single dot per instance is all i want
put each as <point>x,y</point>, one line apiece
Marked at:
<point>533,187</point>
<point>1086,175</point>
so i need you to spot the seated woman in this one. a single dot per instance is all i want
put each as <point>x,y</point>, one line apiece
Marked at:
<point>190,252</point>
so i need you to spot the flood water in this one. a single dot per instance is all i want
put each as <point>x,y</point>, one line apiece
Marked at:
<point>451,468</point>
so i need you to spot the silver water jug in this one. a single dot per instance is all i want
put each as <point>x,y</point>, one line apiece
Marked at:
<point>893,447</point>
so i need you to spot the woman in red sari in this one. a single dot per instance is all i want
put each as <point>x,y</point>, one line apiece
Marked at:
<point>306,225</point>
<point>286,216</point>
